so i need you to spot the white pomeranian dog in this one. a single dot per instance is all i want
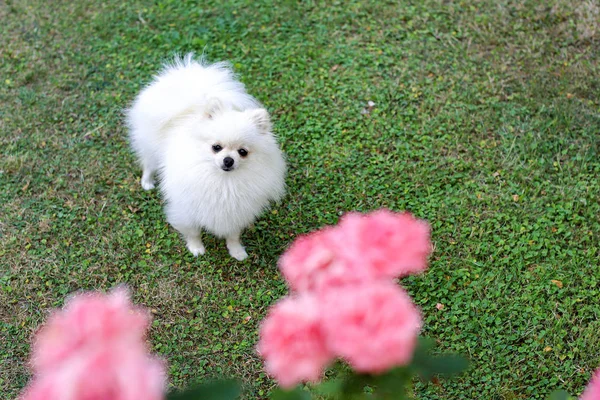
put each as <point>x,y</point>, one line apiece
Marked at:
<point>211,144</point>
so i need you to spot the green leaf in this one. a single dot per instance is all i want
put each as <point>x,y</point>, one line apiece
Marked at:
<point>296,394</point>
<point>425,345</point>
<point>214,390</point>
<point>329,388</point>
<point>449,364</point>
<point>353,385</point>
<point>559,395</point>
<point>393,382</point>
<point>428,365</point>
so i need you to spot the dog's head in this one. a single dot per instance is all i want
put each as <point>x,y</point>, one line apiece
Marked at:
<point>235,138</point>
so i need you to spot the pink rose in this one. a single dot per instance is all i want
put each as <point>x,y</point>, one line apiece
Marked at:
<point>380,245</point>
<point>292,343</point>
<point>116,373</point>
<point>592,392</point>
<point>94,349</point>
<point>313,262</point>
<point>88,319</point>
<point>389,244</point>
<point>372,326</point>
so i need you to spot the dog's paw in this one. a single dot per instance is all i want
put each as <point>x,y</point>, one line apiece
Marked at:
<point>148,184</point>
<point>197,249</point>
<point>238,253</point>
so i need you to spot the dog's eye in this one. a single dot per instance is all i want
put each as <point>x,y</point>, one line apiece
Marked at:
<point>243,152</point>
<point>217,148</point>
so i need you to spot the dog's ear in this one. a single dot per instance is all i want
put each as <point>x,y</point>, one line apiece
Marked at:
<point>213,107</point>
<point>262,119</point>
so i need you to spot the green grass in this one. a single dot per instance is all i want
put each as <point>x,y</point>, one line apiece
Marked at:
<point>486,123</point>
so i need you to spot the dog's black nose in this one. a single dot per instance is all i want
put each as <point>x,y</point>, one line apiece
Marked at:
<point>228,162</point>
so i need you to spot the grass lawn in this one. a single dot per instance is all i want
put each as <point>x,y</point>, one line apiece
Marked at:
<point>486,123</point>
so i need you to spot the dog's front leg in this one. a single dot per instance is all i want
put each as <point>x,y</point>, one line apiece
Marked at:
<point>236,250</point>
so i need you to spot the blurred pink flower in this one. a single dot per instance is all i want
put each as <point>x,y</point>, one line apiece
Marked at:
<point>313,263</point>
<point>372,326</point>
<point>357,313</point>
<point>592,392</point>
<point>389,244</point>
<point>88,320</point>
<point>379,245</point>
<point>292,343</point>
<point>94,349</point>
<point>113,373</point>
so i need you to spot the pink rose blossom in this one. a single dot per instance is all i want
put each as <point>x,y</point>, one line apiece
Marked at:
<point>292,342</point>
<point>379,245</point>
<point>88,319</point>
<point>347,304</point>
<point>372,326</point>
<point>94,349</point>
<point>313,263</point>
<point>390,244</point>
<point>592,392</point>
<point>113,373</point>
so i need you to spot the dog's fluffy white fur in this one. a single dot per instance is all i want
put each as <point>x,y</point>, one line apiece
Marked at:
<point>211,143</point>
